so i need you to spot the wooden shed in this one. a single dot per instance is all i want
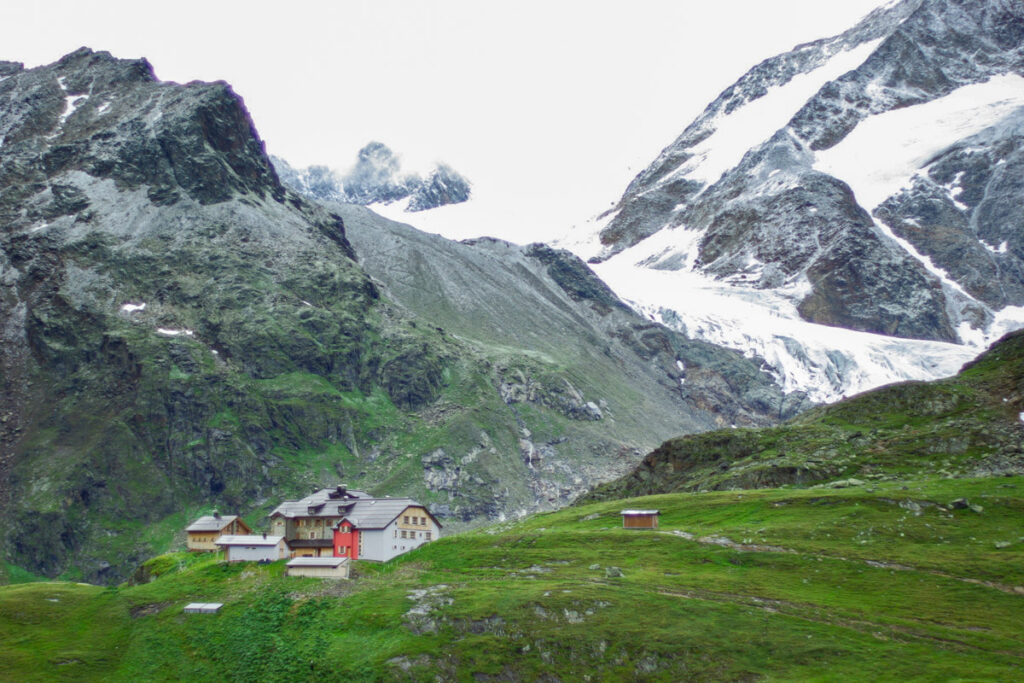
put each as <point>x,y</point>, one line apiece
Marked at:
<point>318,567</point>
<point>203,533</point>
<point>640,519</point>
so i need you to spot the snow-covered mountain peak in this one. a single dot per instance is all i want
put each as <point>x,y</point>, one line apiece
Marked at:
<point>847,210</point>
<point>378,179</point>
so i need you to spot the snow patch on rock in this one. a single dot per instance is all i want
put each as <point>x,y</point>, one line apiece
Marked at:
<point>739,131</point>
<point>827,363</point>
<point>882,154</point>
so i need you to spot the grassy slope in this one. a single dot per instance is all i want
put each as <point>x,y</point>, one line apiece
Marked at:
<point>967,425</point>
<point>886,582</point>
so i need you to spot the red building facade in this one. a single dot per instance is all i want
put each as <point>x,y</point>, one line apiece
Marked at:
<point>346,540</point>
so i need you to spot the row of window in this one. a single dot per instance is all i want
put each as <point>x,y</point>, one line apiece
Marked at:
<point>416,520</point>
<point>305,521</point>
<point>412,534</point>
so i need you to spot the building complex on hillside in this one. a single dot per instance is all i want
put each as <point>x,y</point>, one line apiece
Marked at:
<point>329,523</point>
<point>338,522</point>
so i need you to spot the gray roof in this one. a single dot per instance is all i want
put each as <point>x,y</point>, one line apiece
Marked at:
<point>317,561</point>
<point>203,607</point>
<point>377,513</point>
<point>255,539</point>
<point>359,507</point>
<point>310,543</point>
<point>639,512</point>
<point>211,523</point>
<point>330,502</point>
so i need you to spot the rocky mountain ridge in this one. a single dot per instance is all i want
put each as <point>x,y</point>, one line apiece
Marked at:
<point>377,178</point>
<point>181,331</point>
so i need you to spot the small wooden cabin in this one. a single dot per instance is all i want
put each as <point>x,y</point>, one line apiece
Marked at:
<point>204,532</point>
<point>640,519</point>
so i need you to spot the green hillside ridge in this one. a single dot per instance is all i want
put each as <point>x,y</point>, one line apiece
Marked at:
<point>887,583</point>
<point>967,425</point>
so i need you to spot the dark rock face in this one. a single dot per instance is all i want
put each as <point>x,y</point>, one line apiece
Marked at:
<point>575,278</point>
<point>443,186</point>
<point>793,222</point>
<point>964,213</point>
<point>377,178</point>
<point>197,141</point>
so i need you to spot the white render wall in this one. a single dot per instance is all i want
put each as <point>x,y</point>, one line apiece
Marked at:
<point>242,553</point>
<point>340,572</point>
<point>383,544</point>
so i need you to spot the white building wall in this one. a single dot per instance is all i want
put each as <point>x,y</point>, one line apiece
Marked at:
<point>374,546</point>
<point>241,553</point>
<point>383,544</point>
<point>340,572</point>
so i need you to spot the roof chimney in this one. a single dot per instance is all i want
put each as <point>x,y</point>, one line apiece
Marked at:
<point>216,514</point>
<point>264,534</point>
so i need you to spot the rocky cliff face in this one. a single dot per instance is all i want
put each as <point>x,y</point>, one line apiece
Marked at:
<point>377,178</point>
<point>865,180</point>
<point>180,332</point>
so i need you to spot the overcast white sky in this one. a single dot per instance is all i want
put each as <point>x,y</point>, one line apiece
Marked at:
<point>549,108</point>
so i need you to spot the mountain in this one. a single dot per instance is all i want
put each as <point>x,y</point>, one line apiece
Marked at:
<point>863,183</point>
<point>181,332</point>
<point>377,178</point>
<point>970,425</point>
<point>557,338</point>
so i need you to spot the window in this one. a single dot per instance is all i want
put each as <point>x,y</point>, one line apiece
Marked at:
<point>403,533</point>
<point>428,535</point>
<point>405,519</point>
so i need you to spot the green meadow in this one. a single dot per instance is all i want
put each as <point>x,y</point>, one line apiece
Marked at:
<point>887,581</point>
